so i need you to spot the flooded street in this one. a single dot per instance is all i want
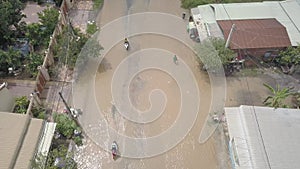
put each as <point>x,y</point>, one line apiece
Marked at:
<point>188,153</point>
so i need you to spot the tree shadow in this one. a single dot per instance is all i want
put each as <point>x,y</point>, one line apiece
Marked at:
<point>104,65</point>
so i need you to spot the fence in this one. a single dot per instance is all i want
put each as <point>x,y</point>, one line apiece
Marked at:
<point>43,75</point>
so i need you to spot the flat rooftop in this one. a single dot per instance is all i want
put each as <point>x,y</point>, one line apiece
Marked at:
<point>264,137</point>
<point>19,139</point>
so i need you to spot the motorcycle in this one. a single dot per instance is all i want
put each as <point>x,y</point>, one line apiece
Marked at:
<point>126,45</point>
<point>114,150</point>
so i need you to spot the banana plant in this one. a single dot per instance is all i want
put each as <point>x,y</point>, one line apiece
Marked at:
<point>278,96</point>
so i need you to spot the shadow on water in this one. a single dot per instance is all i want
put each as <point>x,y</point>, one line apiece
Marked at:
<point>129,4</point>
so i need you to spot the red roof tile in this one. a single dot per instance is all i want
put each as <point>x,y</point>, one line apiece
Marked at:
<point>255,33</point>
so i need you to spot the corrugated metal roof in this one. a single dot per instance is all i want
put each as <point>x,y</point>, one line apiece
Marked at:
<point>255,33</point>
<point>206,22</point>
<point>46,140</point>
<point>265,137</point>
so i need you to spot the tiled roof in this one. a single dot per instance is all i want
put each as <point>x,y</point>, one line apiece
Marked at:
<point>255,33</point>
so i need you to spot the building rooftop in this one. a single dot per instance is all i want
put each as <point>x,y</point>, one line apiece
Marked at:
<point>255,33</point>
<point>285,12</point>
<point>19,138</point>
<point>264,137</point>
<point>7,100</point>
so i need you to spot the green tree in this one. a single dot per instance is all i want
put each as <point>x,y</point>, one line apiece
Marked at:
<point>97,4</point>
<point>21,105</point>
<point>33,61</point>
<point>289,57</point>
<point>278,96</point>
<point>69,45</point>
<point>65,125</point>
<point>39,113</point>
<point>10,58</point>
<point>34,33</point>
<point>91,28</point>
<point>10,17</point>
<point>48,18</point>
<point>38,162</point>
<point>213,54</point>
<point>59,152</point>
<point>225,54</point>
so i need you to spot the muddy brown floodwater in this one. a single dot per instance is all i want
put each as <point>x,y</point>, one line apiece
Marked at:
<point>189,153</point>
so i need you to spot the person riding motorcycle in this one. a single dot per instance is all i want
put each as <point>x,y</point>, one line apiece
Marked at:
<point>126,43</point>
<point>114,150</point>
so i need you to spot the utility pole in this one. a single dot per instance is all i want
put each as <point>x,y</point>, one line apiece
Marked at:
<point>67,106</point>
<point>230,35</point>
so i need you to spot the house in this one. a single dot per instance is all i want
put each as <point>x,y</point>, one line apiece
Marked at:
<point>260,27</point>
<point>263,137</point>
<point>22,137</point>
<point>255,37</point>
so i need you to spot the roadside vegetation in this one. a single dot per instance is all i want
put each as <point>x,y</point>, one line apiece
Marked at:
<point>68,46</point>
<point>91,28</point>
<point>213,56</point>
<point>187,4</point>
<point>22,46</point>
<point>282,97</point>
<point>21,106</point>
<point>97,4</point>
<point>289,59</point>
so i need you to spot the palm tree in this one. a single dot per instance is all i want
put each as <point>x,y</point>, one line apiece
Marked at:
<point>278,96</point>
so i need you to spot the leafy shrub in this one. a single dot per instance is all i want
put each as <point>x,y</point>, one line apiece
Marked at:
<point>65,125</point>
<point>77,140</point>
<point>21,105</point>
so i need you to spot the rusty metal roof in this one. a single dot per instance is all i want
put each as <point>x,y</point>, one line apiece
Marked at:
<point>255,33</point>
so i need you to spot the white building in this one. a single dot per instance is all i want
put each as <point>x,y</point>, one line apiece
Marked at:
<point>263,137</point>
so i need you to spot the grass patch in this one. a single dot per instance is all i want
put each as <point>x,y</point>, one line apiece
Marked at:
<point>91,28</point>
<point>249,72</point>
<point>97,4</point>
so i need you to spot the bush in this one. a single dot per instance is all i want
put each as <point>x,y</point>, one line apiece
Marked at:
<point>91,28</point>
<point>77,140</point>
<point>65,125</point>
<point>33,61</point>
<point>97,4</point>
<point>38,113</point>
<point>21,105</point>
<point>59,152</point>
<point>74,41</point>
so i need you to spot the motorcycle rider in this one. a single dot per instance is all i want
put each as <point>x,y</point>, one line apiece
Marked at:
<point>126,43</point>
